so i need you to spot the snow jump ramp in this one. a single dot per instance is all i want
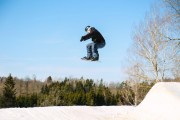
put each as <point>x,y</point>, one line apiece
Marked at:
<point>161,103</point>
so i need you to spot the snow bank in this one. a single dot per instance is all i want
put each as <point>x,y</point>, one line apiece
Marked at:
<point>161,103</point>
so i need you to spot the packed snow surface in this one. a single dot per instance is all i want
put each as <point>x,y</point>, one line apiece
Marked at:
<point>65,113</point>
<point>161,103</point>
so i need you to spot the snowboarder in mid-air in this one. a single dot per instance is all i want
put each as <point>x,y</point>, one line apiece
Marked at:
<point>98,41</point>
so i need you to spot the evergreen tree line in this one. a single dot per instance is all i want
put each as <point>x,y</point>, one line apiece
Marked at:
<point>59,93</point>
<point>69,92</point>
<point>78,92</point>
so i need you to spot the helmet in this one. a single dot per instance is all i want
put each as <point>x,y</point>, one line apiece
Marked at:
<point>87,27</point>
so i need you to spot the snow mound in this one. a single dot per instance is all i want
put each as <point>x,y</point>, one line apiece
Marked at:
<point>161,103</point>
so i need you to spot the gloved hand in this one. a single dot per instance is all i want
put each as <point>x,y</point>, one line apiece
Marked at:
<point>82,39</point>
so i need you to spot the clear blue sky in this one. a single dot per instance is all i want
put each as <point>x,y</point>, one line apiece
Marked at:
<point>42,37</point>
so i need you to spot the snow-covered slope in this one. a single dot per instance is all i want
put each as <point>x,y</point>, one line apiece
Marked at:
<point>161,103</point>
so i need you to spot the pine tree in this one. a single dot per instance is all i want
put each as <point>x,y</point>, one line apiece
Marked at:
<point>100,98</point>
<point>49,80</point>
<point>108,96</point>
<point>9,93</point>
<point>90,97</point>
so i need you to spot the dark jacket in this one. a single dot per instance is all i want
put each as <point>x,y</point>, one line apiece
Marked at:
<point>95,35</point>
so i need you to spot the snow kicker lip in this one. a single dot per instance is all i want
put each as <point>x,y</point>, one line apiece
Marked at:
<point>161,103</point>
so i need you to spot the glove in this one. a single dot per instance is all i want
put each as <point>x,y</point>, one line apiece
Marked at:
<point>82,39</point>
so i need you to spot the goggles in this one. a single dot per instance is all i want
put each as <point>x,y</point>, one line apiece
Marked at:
<point>88,30</point>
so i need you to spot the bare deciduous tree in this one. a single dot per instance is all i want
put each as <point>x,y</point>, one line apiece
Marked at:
<point>148,45</point>
<point>135,77</point>
<point>173,12</point>
<point>153,53</point>
<point>172,9</point>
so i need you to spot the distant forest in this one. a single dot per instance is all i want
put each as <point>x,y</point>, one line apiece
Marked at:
<point>15,92</point>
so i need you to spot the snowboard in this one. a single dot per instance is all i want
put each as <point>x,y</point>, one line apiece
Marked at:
<point>89,60</point>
